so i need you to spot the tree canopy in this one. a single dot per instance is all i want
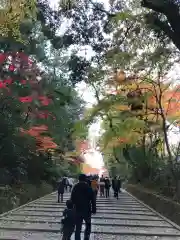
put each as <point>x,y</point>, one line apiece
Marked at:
<point>137,95</point>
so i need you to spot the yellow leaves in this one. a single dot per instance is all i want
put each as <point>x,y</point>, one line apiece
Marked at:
<point>119,107</point>
<point>12,14</point>
<point>131,86</point>
<point>115,142</point>
<point>72,154</point>
<point>150,117</point>
<point>176,115</point>
<point>131,138</point>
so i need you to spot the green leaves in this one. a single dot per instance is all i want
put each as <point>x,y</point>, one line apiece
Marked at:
<point>80,130</point>
<point>124,15</point>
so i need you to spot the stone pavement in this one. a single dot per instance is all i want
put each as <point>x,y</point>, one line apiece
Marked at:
<point>123,219</point>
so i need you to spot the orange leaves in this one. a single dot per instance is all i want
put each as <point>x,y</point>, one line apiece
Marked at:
<point>120,76</point>
<point>35,131</point>
<point>82,146</point>
<point>86,169</point>
<point>121,107</point>
<point>172,102</point>
<point>41,128</point>
<point>43,142</point>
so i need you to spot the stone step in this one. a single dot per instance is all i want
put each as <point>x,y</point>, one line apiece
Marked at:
<point>105,215</point>
<point>15,235</point>
<point>108,203</point>
<point>100,222</point>
<point>98,199</point>
<point>122,219</point>
<point>98,229</point>
<point>102,207</point>
<point>99,210</point>
<point>59,213</point>
<point>121,195</point>
<point>110,200</point>
<point>154,222</point>
<point>129,217</point>
<point>118,203</point>
<point>111,197</point>
<point>55,228</point>
<point>130,237</point>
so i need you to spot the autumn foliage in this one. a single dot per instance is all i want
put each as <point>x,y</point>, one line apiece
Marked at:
<point>144,94</point>
<point>19,70</point>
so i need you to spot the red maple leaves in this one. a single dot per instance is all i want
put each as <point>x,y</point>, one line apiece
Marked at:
<point>14,64</point>
<point>43,143</point>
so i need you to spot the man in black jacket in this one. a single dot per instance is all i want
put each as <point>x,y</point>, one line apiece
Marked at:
<point>84,201</point>
<point>60,190</point>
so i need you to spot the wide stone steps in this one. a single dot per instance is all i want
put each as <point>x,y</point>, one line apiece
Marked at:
<point>123,219</point>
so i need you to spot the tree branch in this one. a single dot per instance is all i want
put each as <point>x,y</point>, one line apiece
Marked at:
<point>102,10</point>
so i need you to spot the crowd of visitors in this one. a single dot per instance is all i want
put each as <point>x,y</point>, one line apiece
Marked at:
<point>82,203</point>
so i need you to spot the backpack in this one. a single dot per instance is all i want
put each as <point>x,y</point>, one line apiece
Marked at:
<point>94,185</point>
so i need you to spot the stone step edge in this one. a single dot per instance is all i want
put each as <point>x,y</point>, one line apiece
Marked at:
<point>98,207</point>
<point>59,216</point>
<point>107,204</point>
<point>103,212</point>
<point>8,238</point>
<point>128,212</point>
<point>132,233</point>
<point>93,223</point>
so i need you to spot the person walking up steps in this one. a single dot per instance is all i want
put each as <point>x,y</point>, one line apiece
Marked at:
<point>115,187</point>
<point>119,184</point>
<point>107,187</point>
<point>70,183</point>
<point>102,186</point>
<point>60,190</point>
<point>95,186</point>
<point>84,202</point>
<point>68,222</point>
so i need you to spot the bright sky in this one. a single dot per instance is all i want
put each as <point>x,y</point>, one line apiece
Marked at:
<point>94,157</point>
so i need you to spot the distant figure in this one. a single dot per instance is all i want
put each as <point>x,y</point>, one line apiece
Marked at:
<point>83,199</point>
<point>107,187</point>
<point>68,222</point>
<point>95,186</point>
<point>66,183</point>
<point>102,186</point>
<point>70,183</point>
<point>119,184</point>
<point>60,190</point>
<point>115,187</point>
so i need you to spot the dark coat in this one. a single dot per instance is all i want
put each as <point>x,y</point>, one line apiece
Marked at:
<point>115,184</point>
<point>83,198</point>
<point>61,187</point>
<point>107,184</point>
<point>69,217</point>
<point>119,183</point>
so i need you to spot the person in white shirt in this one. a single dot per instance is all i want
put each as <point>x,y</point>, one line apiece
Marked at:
<point>70,183</point>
